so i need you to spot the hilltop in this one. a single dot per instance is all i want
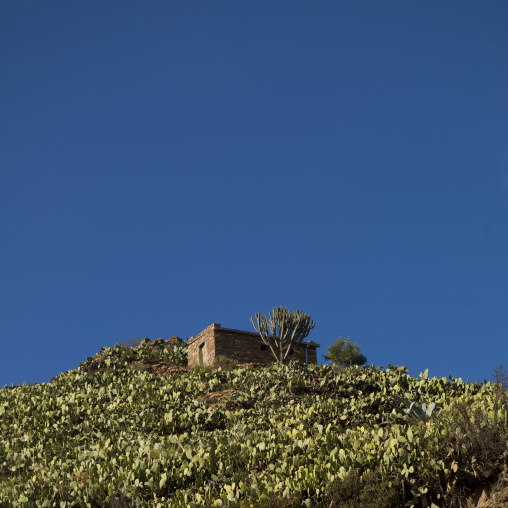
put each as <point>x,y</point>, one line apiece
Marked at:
<point>135,427</point>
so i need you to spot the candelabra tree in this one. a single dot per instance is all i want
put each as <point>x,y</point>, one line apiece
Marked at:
<point>282,330</point>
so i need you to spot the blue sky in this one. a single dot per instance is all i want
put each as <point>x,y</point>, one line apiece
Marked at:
<point>166,165</point>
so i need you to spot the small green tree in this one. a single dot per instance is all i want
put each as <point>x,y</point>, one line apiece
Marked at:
<point>282,330</point>
<point>345,352</point>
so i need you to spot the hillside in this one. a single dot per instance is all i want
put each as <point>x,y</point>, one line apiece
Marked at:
<point>134,427</point>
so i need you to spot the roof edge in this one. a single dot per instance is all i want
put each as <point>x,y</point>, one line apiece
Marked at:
<point>218,326</point>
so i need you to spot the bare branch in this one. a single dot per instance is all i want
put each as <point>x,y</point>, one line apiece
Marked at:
<point>500,376</point>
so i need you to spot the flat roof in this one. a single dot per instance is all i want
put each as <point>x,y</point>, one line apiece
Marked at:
<point>255,334</point>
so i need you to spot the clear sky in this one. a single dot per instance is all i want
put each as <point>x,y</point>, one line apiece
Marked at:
<point>167,165</point>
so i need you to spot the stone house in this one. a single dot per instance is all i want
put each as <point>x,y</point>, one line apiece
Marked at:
<point>245,347</point>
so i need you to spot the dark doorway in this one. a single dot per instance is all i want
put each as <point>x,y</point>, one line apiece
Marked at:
<point>200,355</point>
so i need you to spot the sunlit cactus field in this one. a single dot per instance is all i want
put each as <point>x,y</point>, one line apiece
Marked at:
<point>117,432</point>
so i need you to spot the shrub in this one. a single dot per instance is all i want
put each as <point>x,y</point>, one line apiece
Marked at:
<point>473,450</point>
<point>132,342</point>
<point>338,367</point>
<point>345,352</point>
<point>366,491</point>
<point>273,501</point>
<point>477,439</point>
<point>202,372</point>
<point>120,357</point>
<point>225,363</point>
<point>279,502</point>
<point>121,501</point>
<point>138,367</point>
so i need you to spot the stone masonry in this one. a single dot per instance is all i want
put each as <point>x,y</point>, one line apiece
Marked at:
<point>245,347</point>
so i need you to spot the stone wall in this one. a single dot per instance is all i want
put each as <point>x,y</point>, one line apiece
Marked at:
<point>202,349</point>
<point>245,347</point>
<point>312,352</point>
